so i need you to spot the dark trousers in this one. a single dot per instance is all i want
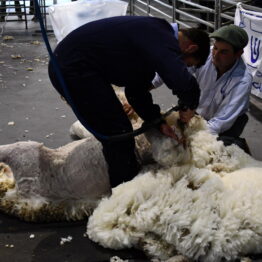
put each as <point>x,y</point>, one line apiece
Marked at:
<point>96,103</point>
<point>237,128</point>
<point>232,135</point>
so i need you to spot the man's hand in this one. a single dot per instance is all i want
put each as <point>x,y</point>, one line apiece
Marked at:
<point>185,116</point>
<point>167,130</point>
<point>128,109</point>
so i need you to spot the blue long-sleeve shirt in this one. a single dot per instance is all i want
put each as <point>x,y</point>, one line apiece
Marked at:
<point>222,100</point>
<point>127,51</point>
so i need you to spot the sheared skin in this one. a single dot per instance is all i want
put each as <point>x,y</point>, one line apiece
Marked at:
<point>53,184</point>
<point>38,183</point>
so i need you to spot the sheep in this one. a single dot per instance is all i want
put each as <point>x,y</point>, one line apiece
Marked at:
<point>38,183</point>
<point>52,184</point>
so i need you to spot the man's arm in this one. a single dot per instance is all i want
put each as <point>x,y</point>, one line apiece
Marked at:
<point>185,115</point>
<point>165,57</point>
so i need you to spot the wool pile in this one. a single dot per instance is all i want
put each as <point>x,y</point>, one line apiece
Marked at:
<point>203,202</point>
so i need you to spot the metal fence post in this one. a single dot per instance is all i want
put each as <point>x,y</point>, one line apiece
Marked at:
<point>218,9</point>
<point>148,7</point>
<point>174,5</point>
<point>131,7</point>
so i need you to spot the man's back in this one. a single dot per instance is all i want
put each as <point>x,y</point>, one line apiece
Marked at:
<point>122,47</point>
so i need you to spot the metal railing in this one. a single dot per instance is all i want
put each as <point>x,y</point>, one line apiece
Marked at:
<point>206,14</point>
<point>13,11</point>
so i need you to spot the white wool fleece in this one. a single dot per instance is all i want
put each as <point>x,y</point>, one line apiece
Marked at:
<point>207,208</point>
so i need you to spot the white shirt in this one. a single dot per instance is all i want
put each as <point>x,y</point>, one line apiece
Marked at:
<point>223,100</point>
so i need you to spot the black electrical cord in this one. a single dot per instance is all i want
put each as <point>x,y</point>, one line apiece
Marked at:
<point>60,78</point>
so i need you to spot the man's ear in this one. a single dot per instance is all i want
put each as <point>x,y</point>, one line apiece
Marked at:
<point>191,49</point>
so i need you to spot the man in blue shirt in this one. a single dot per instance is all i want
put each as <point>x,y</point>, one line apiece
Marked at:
<point>126,51</point>
<point>225,83</point>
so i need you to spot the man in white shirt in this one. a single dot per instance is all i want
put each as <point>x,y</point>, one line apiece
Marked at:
<point>225,83</point>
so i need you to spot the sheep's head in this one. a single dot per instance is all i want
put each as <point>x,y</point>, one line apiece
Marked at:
<point>7,180</point>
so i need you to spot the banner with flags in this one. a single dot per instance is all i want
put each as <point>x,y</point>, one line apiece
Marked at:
<point>251,22</point>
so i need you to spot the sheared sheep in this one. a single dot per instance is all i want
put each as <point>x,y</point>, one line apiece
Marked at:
<point>42,184</point>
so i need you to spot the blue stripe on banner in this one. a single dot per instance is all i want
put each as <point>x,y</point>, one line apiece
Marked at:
<point>258,74</point>
<point>254,48</point>
<point>257,86</point>
<point>255,67</point>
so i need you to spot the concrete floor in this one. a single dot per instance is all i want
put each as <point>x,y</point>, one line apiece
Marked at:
<point>30,109</point>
